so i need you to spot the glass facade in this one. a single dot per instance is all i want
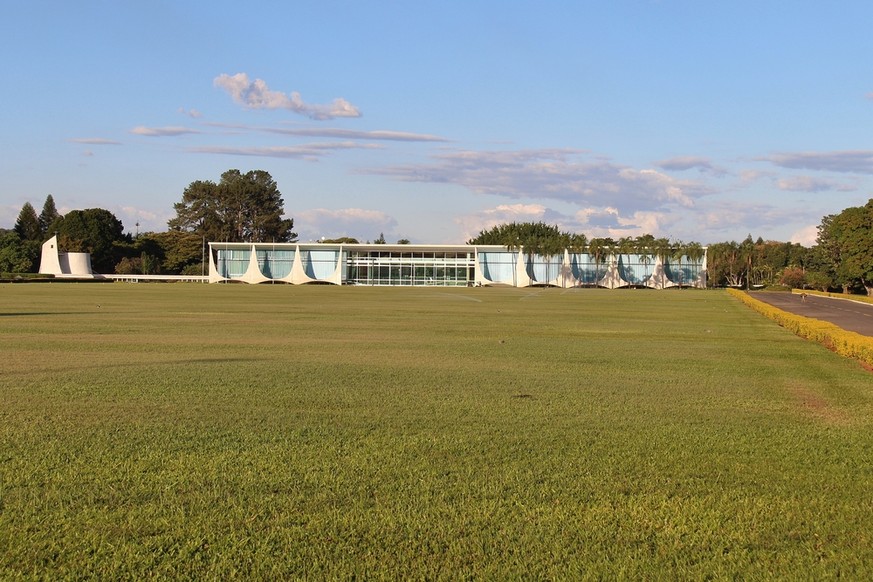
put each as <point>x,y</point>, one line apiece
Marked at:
<point>544,270</point>
<point>319,264</point>
<point>499,266</point>
<point>233,263</point>
<point>584,269</point>
<point>682,271</point>
<point>635,269</point>
<point>419,268</point>
<point>275,263</point>
<point>445,266</point>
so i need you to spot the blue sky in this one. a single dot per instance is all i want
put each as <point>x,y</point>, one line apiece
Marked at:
<point>694,120</point>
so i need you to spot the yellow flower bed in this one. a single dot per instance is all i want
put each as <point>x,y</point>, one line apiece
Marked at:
<point>845,343</point>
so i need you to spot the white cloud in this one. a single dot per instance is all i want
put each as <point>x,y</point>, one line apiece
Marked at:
<point>94,141</point>
<point>609,222</point>
<point>375,135</point>
<point>517,212</point>
<point>162,131</point>
<point>472,224</point>
<point>714,222</point>
<point>805,236</point>
<point>593,222</point>
<point>851,161</point>
<point>359,223</point>
<point>352,134</point>
<point>729,220</point>
<point>557,174</point>
<point>256,95</point>
<point>311,152</point>
<point>682,163</point>
<point>149,220</point>
<point>812,184</point>
<point>9,215</point>
<point>192,113</point>
<point>748,177</point>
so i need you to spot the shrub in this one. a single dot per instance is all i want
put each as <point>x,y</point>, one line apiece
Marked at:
<point>845,343</point>
<point>793,277</point>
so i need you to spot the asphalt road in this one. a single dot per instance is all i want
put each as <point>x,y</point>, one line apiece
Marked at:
<point>850,315</point>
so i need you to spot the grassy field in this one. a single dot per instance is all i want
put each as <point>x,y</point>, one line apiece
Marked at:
<point>221,431</point>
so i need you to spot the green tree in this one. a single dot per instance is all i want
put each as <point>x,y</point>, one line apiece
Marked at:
<point>845,244</point>
<point>555,248</point>
<point>532,246</point>
<point>599,249</point>
<point>48,215</point>
<point>93,230</point>
<point>240,208</point>
<point>381,240</point>
<point>819,280</point>
<point>694,252</point>
<point>747,255</point>
<point>129,266</point>
<point>16,255</point>
<point>344,240</point>
<point>678,252</point>
<point>645,247</point>
<point>141,255</point>
<point>773,257</point>
<point>793,277</point>
<point>627,246</point>
<point>514,232</point>
<point>578,244</point>
<point>725,264</point>
<point>27,225</point>
<point>178,250</point>
<point>546,248</point>
<point>537,239</point>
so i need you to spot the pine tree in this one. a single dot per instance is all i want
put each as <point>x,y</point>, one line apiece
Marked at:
<point>27,225</point>
<point>48,215</point>
<point>241,207</point>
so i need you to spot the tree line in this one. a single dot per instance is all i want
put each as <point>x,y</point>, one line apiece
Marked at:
<point>248,207</point>
<point>841,259</point>
<point>238,208</point>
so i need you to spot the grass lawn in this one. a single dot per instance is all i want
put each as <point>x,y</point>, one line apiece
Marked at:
<point>221,431</point>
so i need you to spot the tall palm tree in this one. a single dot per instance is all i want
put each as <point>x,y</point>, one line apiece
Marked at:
<point>577,245</point>
<point>678,253</point>
<point>694,251</point>
<point>532,246</point>
<point>512,242</point>
<point>726,261</point>
<point>558,249</point>
<point>645,245</point>
<point>747,252</point>
<point>551,248</point>
<point>597,248</point>
<point>661,248</point>
<point>542,249</point>
<point>627,247</point>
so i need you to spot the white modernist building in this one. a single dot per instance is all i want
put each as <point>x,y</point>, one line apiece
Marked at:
<point>445,265</point>
<point>55,262</point>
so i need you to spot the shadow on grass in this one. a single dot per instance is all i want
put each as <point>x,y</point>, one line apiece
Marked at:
<point>38,313</point>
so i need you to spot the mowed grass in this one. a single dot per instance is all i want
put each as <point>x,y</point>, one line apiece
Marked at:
<point>230,431</point>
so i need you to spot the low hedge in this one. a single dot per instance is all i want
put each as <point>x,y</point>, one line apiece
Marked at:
<point>845,343</point>
<point>25,277</point>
